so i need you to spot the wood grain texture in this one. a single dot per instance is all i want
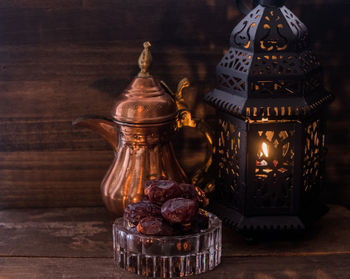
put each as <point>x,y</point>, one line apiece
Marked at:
<point>309,267</point>
<point>56,178</point>
<point>64,58</point>
<point>87,232</point>
<point>77,243</point>
<point>71,232</point>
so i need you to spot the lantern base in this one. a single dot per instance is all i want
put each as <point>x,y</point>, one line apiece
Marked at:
<point>284,223</point>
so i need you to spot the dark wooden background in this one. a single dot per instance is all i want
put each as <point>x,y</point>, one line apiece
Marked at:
<point>63,58</point>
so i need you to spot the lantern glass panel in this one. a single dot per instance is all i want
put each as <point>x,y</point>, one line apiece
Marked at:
<point>272,164</point>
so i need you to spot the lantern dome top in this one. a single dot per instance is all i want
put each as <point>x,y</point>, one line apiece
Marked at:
<point>269,69</point>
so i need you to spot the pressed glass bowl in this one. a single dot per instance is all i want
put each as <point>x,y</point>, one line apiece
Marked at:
<point>167,256</point>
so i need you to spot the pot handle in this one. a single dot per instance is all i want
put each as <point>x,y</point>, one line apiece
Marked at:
<point>199,176</point>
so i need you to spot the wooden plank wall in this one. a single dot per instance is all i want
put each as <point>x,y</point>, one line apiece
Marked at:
<point>63,58</point>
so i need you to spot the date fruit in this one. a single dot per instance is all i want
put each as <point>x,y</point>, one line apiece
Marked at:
<point>154,226</point>
<point>149,182</point>
<point>137,211</point>
<point>195,193</point>
<point>159,191</point>
<point>179,211</point>
<point>168,208</point>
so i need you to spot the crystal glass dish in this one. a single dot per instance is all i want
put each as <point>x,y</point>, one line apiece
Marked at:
<point>167,256</point>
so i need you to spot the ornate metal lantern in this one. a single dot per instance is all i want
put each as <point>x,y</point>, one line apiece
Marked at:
<point>270,136</point>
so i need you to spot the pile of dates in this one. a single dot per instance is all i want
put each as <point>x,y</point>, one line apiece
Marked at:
<point>168,208</point>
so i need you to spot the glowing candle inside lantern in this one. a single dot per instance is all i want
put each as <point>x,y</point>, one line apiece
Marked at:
<point>264,148</point>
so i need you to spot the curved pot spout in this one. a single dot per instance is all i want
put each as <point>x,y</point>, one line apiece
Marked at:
<point>103,126</point>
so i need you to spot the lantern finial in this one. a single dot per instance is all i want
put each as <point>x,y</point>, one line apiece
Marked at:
<point>272,3</point>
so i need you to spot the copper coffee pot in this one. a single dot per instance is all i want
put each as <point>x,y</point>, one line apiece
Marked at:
<point>144,120</point>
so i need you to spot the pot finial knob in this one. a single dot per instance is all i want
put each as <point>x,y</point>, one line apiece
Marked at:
<point>145,60</point>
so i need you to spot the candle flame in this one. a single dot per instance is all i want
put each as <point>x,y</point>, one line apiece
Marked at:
<point>264,148</point>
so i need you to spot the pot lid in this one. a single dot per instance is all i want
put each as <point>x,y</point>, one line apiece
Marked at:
<point>144,100</point>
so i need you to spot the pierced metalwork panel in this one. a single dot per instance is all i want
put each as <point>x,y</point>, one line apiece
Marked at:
<point>233,71</point>
<point>298,28</point>
<point>313,156</point>
<point>276,65</point>
<point>274,34</point>
<point>227,157</point>
<point>312,83</point>
<point>269,58</point>
<point>272,177</point>
<point>233,84</point>
<point>275,88</point>
<point>243,34</point>
<point>236,60</point>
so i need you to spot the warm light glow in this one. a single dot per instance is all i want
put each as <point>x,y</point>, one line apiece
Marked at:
<point>264,148</point>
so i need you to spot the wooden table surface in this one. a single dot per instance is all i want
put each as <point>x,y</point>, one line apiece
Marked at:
<point>77,243</point>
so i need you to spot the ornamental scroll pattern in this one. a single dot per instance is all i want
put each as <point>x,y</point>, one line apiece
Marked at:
<point>274,34</point>
<point>227,156</point>
<point>274,168</point>
<point>276,65</point>
<point>244,32</point>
